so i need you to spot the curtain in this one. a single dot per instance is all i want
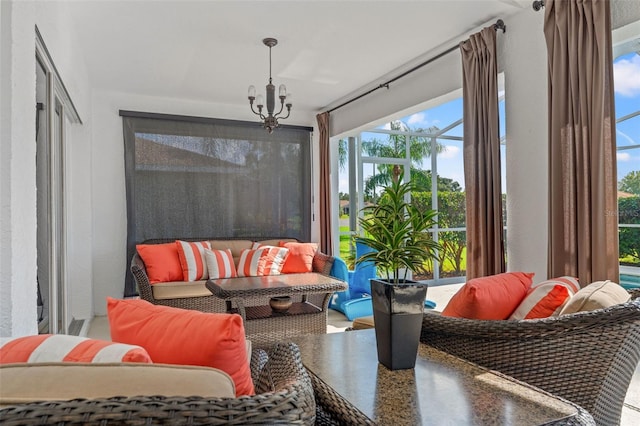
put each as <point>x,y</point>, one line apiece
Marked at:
<point>192,177</point>
<point>326,241</point>
<point>583,228</point>
<point>485,242</point>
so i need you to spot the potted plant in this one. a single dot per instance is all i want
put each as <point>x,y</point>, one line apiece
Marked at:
<point>396,231</point>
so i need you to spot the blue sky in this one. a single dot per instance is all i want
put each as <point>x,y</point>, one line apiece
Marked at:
<point>626,69</point>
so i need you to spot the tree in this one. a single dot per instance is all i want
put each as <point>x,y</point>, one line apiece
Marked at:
<point>630,183</point>
<point>629,213</point>
<point>394,147</point>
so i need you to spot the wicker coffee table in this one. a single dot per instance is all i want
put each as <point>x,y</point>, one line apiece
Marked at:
<point>310,293</point>
<point>352,388</point>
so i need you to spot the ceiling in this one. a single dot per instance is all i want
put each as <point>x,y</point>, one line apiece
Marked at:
<point>211,50</point>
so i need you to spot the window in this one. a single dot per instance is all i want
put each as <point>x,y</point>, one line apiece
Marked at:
<point>55,112</point>
<point>421,145</point>
<point>190,177</point>
<point>626,68</point>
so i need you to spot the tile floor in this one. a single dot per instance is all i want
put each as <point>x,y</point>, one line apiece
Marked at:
<point>99,329</point>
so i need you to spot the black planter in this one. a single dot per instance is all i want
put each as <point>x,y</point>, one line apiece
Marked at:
<point>397,314</point>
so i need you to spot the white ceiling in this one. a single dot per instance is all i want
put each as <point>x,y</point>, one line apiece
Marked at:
<point>211,50</point>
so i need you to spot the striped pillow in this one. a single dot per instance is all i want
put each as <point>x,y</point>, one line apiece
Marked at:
<point>194,266</point>
<point>267,260</point>
<point>546,298</point>
<point>220,264</point>
<point>63,348</point>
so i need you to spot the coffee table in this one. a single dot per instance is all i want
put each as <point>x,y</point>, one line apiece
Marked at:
<point>249,297</point>
<point>352,388</point>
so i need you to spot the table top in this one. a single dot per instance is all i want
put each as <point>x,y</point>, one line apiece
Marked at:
<point>275,285</point>
<point>442,389</point>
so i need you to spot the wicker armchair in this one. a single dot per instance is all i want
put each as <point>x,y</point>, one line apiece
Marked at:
<point>587,357</point>
<point>283,396</point>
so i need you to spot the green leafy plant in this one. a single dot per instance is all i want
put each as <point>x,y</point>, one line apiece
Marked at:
<point>396,231</point>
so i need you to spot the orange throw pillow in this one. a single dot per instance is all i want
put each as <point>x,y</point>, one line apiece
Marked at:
<point>161,262</point>
<point>184,337</point>
<point>300,257</point>
<point>492,298</point>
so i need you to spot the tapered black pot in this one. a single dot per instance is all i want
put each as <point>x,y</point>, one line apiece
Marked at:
<point>397,314</point>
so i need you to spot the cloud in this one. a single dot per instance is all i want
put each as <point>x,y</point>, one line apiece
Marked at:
<point>626,76</point>
<point>416,118</point>
<point>450,151</point>
<point>623,156</point>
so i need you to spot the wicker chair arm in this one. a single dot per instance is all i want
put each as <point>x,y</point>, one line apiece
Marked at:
<point>587,357</point>
<point>290,401</point>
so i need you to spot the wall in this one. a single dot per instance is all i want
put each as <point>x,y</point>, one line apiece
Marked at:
<point>17,163</point>
<point>108,179</point>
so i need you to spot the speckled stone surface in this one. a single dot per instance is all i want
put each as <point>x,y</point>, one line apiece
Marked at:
<point>441,390</point>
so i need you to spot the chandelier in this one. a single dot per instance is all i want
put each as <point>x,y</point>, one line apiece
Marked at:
<point>270,121</point>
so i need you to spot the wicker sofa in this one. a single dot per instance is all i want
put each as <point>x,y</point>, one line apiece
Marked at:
<point>586,357</point>
<point>284,395</point>
<point>264,330</point>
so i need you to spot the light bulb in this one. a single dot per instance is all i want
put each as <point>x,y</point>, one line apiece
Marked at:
<point>282,90</point>
<point>252,91</point>
<point>289,99</point>
<point>260,100</point>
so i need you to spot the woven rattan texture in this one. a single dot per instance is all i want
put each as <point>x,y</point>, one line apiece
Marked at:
<point>284,396</point>
<point>587,358</point>
<point>263,332</point>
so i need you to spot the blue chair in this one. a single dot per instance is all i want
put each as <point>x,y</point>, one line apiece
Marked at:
<point>356,300</point>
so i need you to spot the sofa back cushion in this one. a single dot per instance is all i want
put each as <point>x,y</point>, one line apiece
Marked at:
<point>492,297</point>
<point>64,348</point>
<point>22,383</point>
<point>236,247</point>
<point>185,337</point>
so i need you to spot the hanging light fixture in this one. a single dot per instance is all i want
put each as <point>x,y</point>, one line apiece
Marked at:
<point>270,121</point>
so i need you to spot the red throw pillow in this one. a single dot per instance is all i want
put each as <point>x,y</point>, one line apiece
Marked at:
<point>184,337</point>
<point>493,297</point>
<point>161,262</point>
<point>300,257</point>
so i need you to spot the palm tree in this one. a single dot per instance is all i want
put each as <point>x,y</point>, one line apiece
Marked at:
<point>394,147</point>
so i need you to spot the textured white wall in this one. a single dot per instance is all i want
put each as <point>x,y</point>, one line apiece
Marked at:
<point>524,55</point>
<point>18,169</point>
<point>17,196</point>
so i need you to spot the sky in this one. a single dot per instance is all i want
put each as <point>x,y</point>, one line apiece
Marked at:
<point>626,69</point>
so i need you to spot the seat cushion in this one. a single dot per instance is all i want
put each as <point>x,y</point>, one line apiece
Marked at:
<point>179,290</point>
<point>64,381</point>
<point>184,337</point>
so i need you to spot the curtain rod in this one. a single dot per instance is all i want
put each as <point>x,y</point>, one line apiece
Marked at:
<point>538,4</point>
<point>499,25</point>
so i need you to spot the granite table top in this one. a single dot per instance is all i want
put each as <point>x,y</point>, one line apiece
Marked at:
<point>441,390</point>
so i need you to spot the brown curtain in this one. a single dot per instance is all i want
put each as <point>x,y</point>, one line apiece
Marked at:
<point>583,227</point>
<point>485,244</point>
<point>326,242</point>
